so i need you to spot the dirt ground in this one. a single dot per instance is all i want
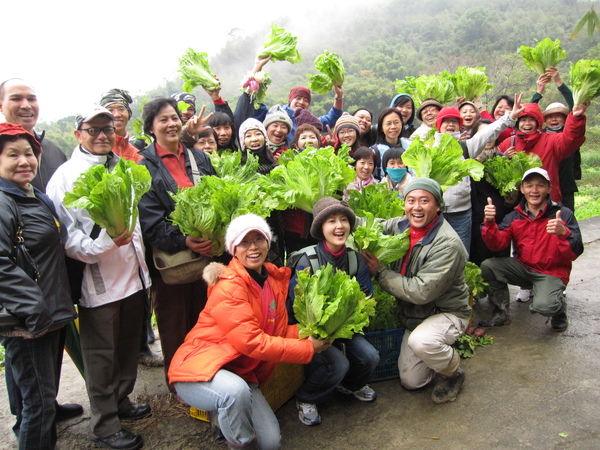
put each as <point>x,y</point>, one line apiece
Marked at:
<point>534,388</point>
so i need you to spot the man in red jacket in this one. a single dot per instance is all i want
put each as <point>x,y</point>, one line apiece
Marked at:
<point>546,240</point>
<point>552,148</point>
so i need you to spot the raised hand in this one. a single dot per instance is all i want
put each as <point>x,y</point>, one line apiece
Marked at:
<point>556,226</point>
<point>489,212</point>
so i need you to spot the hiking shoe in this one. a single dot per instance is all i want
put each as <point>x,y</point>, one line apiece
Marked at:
<point>559,322</point>
<point>447,388</point>
<point>151,359</point>
<point>497,320</point>
<point>308,413</point>
<point>524,295</point>
<point>364,394</point>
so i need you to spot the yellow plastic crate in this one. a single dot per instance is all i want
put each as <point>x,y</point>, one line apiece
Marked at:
<point>284,384</point>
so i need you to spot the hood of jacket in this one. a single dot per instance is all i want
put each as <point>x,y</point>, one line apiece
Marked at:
<point>409,122</point>
<point>532,110</point>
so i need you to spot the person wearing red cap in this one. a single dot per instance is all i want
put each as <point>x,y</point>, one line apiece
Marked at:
<point>546,240</point>
<point>552,148</point>
<point>458,198</point>
<point>39,299</point>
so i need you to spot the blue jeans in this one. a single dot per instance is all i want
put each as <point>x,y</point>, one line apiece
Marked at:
<point>348,362</point>
<point>32,386</point>
<point>461,222</point>
<point>243,411</point>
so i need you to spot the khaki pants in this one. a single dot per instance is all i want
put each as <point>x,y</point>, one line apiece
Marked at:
<point>428,349</point>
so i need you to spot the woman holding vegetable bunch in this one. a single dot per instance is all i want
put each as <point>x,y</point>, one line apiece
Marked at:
<point>348,363</point>
<point>239,338</point>
<point>32,349</point>
<point>172,167</point>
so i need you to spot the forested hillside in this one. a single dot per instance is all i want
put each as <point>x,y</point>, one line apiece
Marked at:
<point>400,38</point>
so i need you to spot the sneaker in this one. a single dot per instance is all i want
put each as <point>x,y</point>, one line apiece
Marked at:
<point>364,394</point>
<point>447,388</point>
<point>524,295</point>
<point>308,413</point>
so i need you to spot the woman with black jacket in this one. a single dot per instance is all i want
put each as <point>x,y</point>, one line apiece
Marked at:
<point>35,293</point>
<point>176,306</point>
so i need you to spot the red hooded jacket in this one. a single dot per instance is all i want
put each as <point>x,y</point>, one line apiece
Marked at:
<point>552,148</point>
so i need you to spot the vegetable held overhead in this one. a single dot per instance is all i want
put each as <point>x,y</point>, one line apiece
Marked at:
<point>546,53</point>
<point>439,87</point>
<point>332,73</point>
<point>330,305</point>
<point>281,46</point>
<point>195,71</point>
<point>444,163</point>
<point>112,197</point>
<point>584,76</point>
<point>470,82</point>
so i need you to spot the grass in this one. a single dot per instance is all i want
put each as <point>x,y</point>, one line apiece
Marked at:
<point>587,200</point>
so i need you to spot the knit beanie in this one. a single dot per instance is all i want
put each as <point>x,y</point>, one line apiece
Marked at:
<point>250,124</point>
<point>346,121</point>
<point>302,116</point>
<point>426,184</point>
<point>326,207</point>
<point>241,226</point>
<point>119,96</point>
<point>448,112</point>
<point>277,114</point>
<point>425,104</point>
<point>299,91</point>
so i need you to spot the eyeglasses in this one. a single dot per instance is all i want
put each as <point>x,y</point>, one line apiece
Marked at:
<point>93,131</point>
<point>258,242</point>
<point>119,109</point>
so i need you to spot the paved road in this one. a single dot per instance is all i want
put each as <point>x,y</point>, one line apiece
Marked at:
<point>533,389</point>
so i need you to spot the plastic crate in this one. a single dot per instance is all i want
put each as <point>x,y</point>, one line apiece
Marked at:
<point>286,380</point>
<point>388,344</point>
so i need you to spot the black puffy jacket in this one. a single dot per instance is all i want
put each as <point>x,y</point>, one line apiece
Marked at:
<point>46,304</point>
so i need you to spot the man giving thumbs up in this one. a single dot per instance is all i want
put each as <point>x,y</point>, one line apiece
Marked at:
<point>546,240</point>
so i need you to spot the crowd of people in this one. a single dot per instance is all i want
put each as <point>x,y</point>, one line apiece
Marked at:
<point>223,333</point>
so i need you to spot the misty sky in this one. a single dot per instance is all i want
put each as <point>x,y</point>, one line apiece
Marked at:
<point>72,51</point>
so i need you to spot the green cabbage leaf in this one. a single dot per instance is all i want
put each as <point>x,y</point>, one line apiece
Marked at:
<point>470,82</point>
<point>332,71</point>
<point>585,80</point>
<point>439,87</point>
<point>195,71</point>
<point>111,198</point>
<point>378,200</point>
<point>387,248</point>
<point>547,53</point>
<point>505,174</point>
<point>330,305</point>
<point>281,46</point>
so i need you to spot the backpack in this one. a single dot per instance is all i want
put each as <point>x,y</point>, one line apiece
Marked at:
<point>311,253</point>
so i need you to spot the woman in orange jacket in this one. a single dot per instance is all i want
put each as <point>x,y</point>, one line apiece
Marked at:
<point>241,335</point>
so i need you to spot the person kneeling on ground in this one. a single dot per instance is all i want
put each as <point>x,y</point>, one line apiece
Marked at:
<point>348,363</point>
<point>429,285</point>
<point>546,239</point>
<point>241,335</point>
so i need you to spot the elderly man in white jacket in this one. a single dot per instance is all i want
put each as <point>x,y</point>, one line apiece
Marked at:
<point>114,283</point>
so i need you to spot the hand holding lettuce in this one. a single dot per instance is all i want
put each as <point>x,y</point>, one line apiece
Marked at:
<point>330,305</point>
<point>300,180</point>
<point>584,76</point>
<point>280,45</point>
<point>444,163</point>
<point>546,53</point>
<point>386,248</point>
<point>195,71</point>
<point>111,198</point>
<point>332,73</point>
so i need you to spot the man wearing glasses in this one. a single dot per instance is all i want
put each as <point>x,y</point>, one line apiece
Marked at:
<point>112,301</point>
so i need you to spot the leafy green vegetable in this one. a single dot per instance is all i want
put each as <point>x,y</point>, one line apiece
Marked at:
<point>439,87</point>
<point>378,200</point>
<point>505,174</point>
<point>466,343</point>
<point>386,311</point>
<point>474,279</point>
<point>228,165</point>
<point>137,125</point>
<point>195,71</point>
<point>207,209</point>
<point>112,197</point>
<point>470,82</point>
<point>387,248</point>
<point>585,80</point>
<point>444,163</point>
<point>300,180</point>
<point>332,72</point>
<point>546,53</point>
<point>281,45</point>
<point>256,86</point>
<point>330,305</point>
